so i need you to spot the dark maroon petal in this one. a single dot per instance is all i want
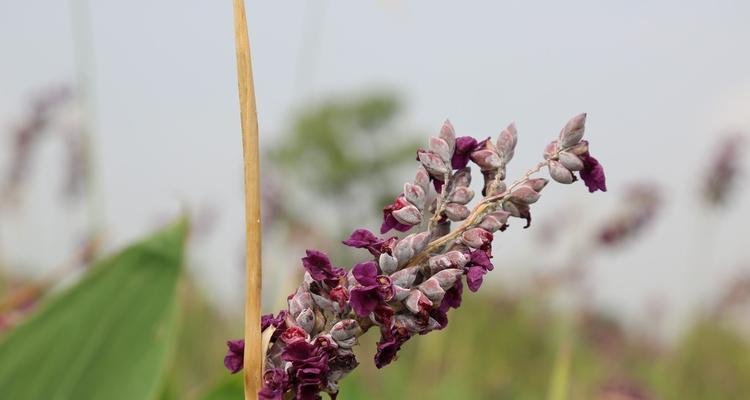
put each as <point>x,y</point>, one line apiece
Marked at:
<point>389,346</point>
<point>233,361</point>
<point>236,346</point>
<point>389,221</point>
<point>309,375</point>
<point>266,321</point>
<point>275,383</point>
<point>465,145</point>
<point>298,351</point>
<point>437,184</point>
<point>364,300</point>
<point>308,391</point>
<point>362,238</point>
<point>481,259</point>
<point>384,315</point>
<point>366,273</point>
<point>452,298</point>
<point>440,316</point>
<point>474,278</point>
<point>317,264</point>
<point>593,174</point>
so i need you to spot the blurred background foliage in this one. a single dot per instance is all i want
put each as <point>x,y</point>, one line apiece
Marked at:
<point>505,343</point>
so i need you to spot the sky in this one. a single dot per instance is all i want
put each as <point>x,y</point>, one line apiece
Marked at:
<point>660,81</point>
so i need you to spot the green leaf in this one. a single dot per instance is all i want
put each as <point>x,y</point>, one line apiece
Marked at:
<point>108,337</point>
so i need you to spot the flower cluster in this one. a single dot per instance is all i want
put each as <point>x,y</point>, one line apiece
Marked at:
<point>723,171</point>
<point>407,285</point>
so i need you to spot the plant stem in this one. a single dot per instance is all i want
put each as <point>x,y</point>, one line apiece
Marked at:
<point>249,121</point>
<point>475,216</point>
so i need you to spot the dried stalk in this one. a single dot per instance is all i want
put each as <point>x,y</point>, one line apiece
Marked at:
<point>249,120</point>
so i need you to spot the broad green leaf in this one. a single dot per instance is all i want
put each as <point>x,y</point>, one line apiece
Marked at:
<point>108,337</point>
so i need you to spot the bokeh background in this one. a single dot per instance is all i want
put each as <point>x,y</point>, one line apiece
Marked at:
<point>115,118</point>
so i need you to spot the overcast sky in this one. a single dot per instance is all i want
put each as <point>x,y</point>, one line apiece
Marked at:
<point>660,81</point>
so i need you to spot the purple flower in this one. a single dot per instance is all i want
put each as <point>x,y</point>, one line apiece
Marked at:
<point>593,173</point>
<point>477,267</point>
<point>374,290</point>
<point>321,269</point>
<point>389,345</point>
<point>465,145</point>
<point>389,221</point>
<point>235,355</point>
<point>275,383</point>
<point>364,239</point>
<point>452,298</point>
<point>268,320</point>
<point>309,368</point>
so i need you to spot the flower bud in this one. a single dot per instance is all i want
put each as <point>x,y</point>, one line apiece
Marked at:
<point>456,212</point>
<point>432,289</point>
<point>441,148</point>
<point>512,209</point>
<point>486,159</point>
<point>405,277</point>
<point>388,263</point>
<point>320,320</point>
<point>417,302</point>
<point>293,334</point>
<point>524,195</point>
<point>550,150</point>
<point>442,228</point>
<point>448,134</point>
<point>571,161</point>
<point>403,251</point>
<point>408,215</point>
<point>580,149</point>
<point>409,322</point>
<point>462,177</point>
<point>326,304</point>
<point>559,173</point>
<point>306,320</point>
<point>433,164</point>
<point>415,195</point>
<point>422,179</point>
<point>419,241</point>
<point>476,238</point>
<point>537,183</point>
<point>399,293</point>
<point>495,221</point>
<point>447,277</point>
<point>461,195</point>
<point>493,187</point>
<point>325,342</point>
<point>451,259</point>
<point>300,301</point>
<point>572,132</point>
<point>506,142</point>
<point>344,333</point>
